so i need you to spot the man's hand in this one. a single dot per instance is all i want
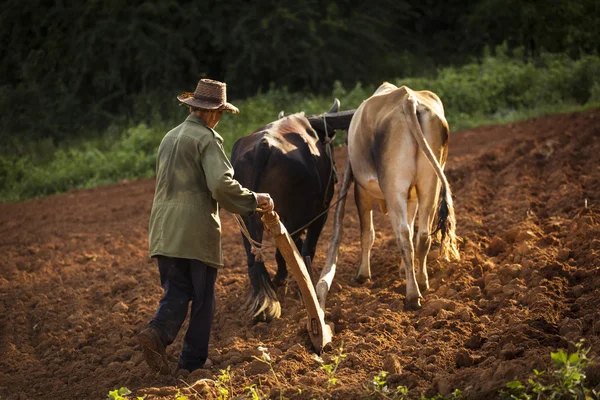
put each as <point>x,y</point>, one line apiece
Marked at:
<point>265,202</point>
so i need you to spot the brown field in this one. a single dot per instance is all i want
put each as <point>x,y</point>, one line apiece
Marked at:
<point>76,285</point>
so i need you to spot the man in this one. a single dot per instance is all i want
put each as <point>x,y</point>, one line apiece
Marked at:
<point>194,178</point>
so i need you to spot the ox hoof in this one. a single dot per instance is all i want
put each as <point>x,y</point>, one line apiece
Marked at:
<point>413,304</point>
<point>262,317</point>
<point>265,310</point>
<point>423,287</point>
<point>361,279</point>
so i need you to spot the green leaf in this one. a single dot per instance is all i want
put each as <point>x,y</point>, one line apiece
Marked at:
<point>403,390</point>
<point>327,368</point>
<point>124,391</point>
<point>559,358</point>
<point>576,376</point>
<point>574,359</point>
<point>515,385</point>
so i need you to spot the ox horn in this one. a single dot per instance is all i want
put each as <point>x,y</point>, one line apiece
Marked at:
<point>335,107</point>
<point>280,115</point>
<point>335,120</point>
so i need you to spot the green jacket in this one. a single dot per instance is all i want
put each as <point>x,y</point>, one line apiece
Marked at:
<point>193,178</point>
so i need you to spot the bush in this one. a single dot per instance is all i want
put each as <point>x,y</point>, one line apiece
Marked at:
<point>498,89</point>
<point>133,156</point>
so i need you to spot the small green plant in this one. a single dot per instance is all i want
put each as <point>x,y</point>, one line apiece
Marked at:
<point>254,392</point>
<point>180,396</point>
<point>455,395</point>
<point>122,393</point>
<point>266,358</point>
<point>118,394</point>
<point>379,388</point>
<point>564,382</point>
<point>331,368</point>
<point>224,384</point>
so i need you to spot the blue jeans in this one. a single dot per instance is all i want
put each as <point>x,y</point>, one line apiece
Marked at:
<point>183,281</point>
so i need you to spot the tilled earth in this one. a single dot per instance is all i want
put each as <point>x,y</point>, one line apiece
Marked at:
<point>76,286</point>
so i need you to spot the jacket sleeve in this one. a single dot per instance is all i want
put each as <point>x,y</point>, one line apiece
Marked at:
<point>219,178</point>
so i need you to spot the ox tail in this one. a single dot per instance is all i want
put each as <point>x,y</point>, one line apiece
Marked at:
<point>263,303</point>
<point>446,221</point>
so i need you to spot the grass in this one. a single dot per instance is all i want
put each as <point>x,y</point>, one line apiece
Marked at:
<point>497,89</point>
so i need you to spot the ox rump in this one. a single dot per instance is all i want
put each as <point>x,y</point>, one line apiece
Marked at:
<point>292,160</point>
<point>397,149</point>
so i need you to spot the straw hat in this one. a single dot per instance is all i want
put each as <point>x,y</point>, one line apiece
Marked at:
<point>209,95</point>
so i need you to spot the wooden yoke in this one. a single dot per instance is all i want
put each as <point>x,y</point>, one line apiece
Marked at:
<point>319,332</point>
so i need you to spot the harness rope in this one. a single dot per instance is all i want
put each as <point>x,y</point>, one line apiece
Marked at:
<point>329,151</point>
<point>258,247</point>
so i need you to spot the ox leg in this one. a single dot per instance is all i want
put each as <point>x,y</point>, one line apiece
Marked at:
<point>399,218</point>
<point>364,203</point>
<point>412,206</point>
<point>428,198</point>
<point>281,274</point>
<point>263,301</point>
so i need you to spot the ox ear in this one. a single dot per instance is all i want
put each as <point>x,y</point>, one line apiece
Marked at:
<point>280,115</point>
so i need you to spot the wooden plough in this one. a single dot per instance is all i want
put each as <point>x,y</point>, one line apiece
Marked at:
<point>320,333</point>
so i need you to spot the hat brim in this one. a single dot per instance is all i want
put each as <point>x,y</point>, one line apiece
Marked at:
<point>189,99</point>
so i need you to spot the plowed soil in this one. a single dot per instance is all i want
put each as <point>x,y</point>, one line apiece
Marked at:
<point>76,285</point>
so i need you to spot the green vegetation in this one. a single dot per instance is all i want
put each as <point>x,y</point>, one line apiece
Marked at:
<point>331,368</point>
<point>70,67</point>
<point>121,394</point>
<point>500,88</point>
<point>224,384</point>
<point>379,388</point>
<point>566,381</point>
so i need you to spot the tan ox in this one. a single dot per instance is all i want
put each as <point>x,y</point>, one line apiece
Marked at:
<point>397,149</point>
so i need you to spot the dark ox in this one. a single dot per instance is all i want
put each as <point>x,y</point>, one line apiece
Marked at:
<point>292,160</point>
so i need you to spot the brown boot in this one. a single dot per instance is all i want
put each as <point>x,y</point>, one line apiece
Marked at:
<point>154,350</point>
